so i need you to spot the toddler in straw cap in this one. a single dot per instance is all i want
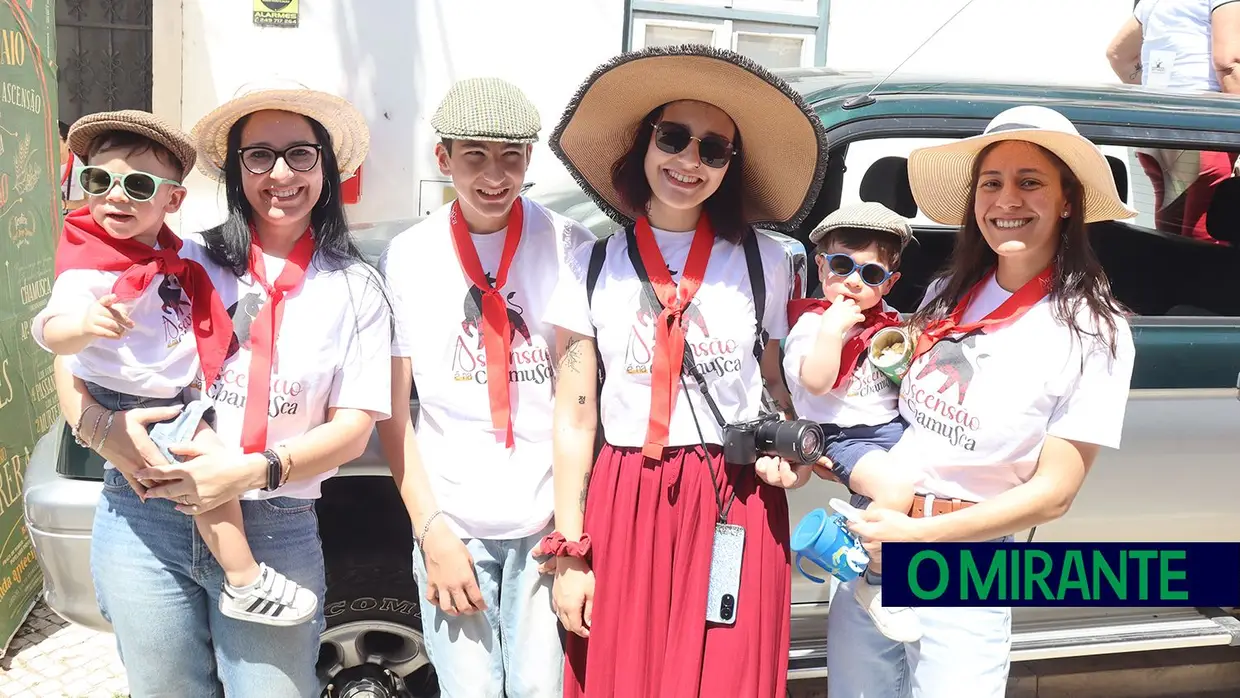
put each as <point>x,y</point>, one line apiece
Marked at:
<point>141,325</point>
<point>833,382</point>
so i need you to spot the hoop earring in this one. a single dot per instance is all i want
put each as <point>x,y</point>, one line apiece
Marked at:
<point>325,201</point>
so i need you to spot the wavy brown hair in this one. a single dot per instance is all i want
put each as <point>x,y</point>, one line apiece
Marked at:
<point>1078,279</point>
<point>724,207</point>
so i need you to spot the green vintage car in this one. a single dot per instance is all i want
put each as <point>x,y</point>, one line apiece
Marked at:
<point>1175,478</point>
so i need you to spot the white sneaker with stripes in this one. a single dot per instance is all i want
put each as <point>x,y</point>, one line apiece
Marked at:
<point>272,599</point>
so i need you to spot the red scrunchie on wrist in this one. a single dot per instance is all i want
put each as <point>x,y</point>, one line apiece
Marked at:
<point>555,544</point>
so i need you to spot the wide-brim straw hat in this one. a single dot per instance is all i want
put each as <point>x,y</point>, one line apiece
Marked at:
<point>349,133</point>
<point>783,141</point>
<point>941,177</point>
<point>86,129</point>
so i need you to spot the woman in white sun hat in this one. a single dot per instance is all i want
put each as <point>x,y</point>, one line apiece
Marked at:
<point>688,148</point>
<point>305,378</point>
<point>1023,361</point>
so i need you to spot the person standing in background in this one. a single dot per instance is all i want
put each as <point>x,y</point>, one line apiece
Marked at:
<point>71,195</point>
<point>1181,45</point>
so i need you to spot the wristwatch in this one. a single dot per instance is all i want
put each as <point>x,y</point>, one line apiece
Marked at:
<point>274,470</point>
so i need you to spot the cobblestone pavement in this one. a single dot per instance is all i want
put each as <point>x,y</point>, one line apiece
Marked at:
<point>52,657</point>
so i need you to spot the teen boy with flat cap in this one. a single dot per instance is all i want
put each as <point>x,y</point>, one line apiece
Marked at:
<point>469,285</point>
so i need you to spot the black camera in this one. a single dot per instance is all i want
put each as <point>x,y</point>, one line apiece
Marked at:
<point>798,441</point>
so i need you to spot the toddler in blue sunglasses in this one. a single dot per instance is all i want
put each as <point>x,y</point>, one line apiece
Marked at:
<point>858,249</point>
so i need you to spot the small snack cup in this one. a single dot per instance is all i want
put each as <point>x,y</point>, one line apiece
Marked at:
<point>891,352</point>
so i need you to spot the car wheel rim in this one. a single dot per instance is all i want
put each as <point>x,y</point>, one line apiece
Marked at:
<point>362,651</point>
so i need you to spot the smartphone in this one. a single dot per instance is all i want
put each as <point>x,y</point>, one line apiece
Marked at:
<point>725,574</point>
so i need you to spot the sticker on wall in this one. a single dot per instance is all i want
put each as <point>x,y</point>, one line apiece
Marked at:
<point>275,13</point>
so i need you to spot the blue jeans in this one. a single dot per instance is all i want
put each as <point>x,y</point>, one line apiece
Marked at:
<point>179,429</point>
<point>159,586</point>
<point>963,653</point>
<point>514,649</point>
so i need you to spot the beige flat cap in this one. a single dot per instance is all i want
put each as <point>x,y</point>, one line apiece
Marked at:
<point>867,215</point>
<point>487,109</point>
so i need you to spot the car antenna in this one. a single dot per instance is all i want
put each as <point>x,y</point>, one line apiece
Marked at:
<point>867,99</point>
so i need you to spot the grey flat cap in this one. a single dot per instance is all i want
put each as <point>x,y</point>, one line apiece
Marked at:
<point>487,109</point>
<point>868,215</point>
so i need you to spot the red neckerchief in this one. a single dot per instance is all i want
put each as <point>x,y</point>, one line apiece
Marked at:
<point>85,245</point>
<point>1015,306</point>
<point>669,334</point>
<point>496,328</point>
<point>263,332</point>
<point>854,348</point>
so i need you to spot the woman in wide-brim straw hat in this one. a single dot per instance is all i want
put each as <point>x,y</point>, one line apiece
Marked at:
<point>305,378</point>
<point>1023,361</point>
<point>688,148</point>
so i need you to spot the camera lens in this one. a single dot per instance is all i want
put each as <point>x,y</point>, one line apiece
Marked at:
<point>797,441</point>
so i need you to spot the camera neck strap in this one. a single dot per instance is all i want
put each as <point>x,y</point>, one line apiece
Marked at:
<point>689,364</point>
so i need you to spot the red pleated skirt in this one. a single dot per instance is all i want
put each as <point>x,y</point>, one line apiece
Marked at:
<point>652,525</point>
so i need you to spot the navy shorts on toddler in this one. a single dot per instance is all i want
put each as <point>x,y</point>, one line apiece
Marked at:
<point>845,446</point>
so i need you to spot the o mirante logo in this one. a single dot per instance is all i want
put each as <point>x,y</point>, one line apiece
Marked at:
<point>1061,574</point>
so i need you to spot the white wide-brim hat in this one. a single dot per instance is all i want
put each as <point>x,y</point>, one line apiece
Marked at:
<point>941,177</point>
<point>349,133</point>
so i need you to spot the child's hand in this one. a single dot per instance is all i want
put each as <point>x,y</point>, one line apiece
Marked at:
<point>841,316</point>
<point>106,318</point>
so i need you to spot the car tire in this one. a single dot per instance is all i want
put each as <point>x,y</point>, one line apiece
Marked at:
<point>372,643</point>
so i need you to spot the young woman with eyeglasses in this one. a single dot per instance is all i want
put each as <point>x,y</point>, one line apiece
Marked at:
<point>689,149</point>
<point>306,374</point>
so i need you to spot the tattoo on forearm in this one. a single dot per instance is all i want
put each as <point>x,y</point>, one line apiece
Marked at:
<point>585,490</point>
<point>581,399</point>
<point>572,355</point>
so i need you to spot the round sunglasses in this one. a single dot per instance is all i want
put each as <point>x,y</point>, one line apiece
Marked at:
<point>137,185</point>
<point>843,266</point>
<point>672,138</point>
<point>301,157</point>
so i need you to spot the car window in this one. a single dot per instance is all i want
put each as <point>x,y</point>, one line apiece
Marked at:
<point>1179,257</point>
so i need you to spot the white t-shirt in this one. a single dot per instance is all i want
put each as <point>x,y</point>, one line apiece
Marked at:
<point>158,358</point>
<point>867,397</point>
<point>720,333</point>
<point>484,489</point>
<point>1176,44</point>
<point>332,351</point>
<point>981,405</point>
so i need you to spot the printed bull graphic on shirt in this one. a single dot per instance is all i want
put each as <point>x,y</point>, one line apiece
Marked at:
<point>243,313</point>
<point>948,357</point>
<point>473,315</point>
<point>175,308</point>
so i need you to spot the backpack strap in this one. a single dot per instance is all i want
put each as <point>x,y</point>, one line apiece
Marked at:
<point>757,282</point>
<point>598,253</point>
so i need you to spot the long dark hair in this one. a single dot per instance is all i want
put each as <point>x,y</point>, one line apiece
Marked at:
<point>1078,277</point>
<point>724,207</point>
<point>228,243</point>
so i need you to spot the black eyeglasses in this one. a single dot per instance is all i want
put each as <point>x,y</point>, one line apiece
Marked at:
<point>843,266</point>
<point>301,157</point>
<point>672,138</point>
<point>138,186</point>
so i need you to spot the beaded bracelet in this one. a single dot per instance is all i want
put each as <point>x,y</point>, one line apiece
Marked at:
<point>427,527</point>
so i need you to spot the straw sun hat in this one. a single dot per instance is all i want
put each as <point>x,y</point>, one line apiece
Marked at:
<point>784,143</point>
<point>941,176</point>
<point>349,133</point>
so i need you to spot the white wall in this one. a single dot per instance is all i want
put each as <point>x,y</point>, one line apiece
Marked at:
<point>1057,40</point>
<point>395,61</point>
